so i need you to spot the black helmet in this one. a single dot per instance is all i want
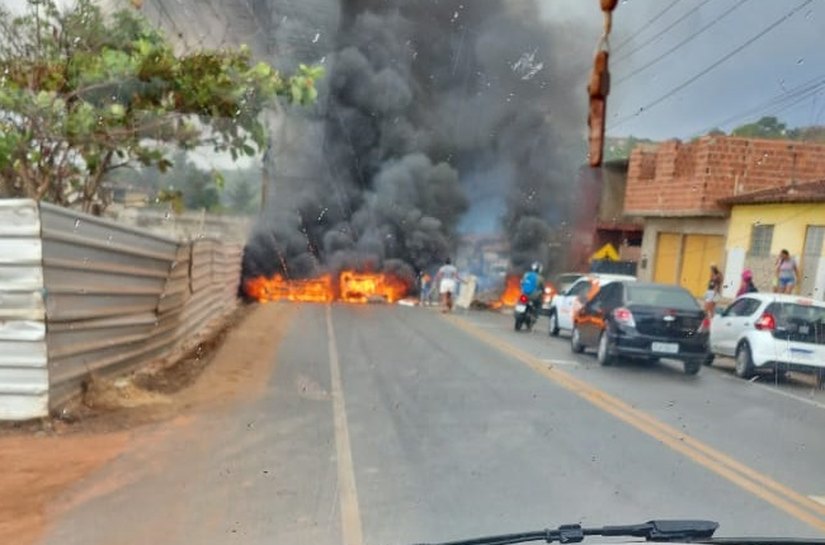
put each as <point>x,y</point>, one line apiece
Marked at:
<point>536,267</point>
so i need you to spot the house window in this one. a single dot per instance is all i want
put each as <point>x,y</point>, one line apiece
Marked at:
<point>761,239</point>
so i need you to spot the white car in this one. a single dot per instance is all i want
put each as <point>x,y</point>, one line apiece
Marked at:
<point>561,309</point>
<point>771,331</point>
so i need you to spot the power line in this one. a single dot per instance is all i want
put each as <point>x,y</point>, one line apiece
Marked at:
<point>647,24</point>
<point>783,101</point>
<point>689,81</point>
<point>663,31</point>
<point>683,42</point>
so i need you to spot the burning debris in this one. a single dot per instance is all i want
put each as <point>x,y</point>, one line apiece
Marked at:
<point>512,290</point>
<point>277,288</point>
<point>352,287</point>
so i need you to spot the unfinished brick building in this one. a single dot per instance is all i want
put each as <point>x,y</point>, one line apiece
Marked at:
<point>677,187</point>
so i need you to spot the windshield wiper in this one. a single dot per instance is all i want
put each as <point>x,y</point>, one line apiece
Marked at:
<point>654,530</point>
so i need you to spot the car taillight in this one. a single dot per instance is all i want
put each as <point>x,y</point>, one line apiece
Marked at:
<point>766,322</point>
<point>705,327</point>
<point>522,299</point>
<point>624,317</point>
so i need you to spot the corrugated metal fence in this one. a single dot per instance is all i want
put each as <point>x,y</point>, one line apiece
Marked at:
<point>117,297</point>
<point>24,379</point>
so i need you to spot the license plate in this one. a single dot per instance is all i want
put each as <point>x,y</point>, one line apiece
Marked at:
<point>521,308</point>
<point>665,348</point>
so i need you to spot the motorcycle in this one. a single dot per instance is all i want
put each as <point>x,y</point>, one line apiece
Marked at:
<point>525,313</point>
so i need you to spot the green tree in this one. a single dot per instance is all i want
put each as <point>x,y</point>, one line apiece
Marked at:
<point>813,133</point>
<point>766,127</point>
<point>82,95</point>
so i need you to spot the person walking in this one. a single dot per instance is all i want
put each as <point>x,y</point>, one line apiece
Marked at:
<point>787,272</point>
<point>447,281</point>
<point>714,291</point>
<point>746,285</point>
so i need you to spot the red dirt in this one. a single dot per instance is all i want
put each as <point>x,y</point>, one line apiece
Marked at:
<point>42,460</point>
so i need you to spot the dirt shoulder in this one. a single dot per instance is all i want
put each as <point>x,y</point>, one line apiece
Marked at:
<point>41,460</point>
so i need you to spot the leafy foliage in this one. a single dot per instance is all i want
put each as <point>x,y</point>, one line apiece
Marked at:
<point>766,127</point>
<point>772,127</point>
<point>82,94</point>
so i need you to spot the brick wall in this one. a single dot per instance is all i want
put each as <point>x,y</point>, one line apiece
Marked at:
<point>679,178</point>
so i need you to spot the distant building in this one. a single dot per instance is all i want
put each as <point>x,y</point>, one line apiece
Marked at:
<point>677,187</point>
<point>763,223</point>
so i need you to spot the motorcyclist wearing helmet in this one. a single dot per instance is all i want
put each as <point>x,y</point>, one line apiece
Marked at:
<point>532,284</point>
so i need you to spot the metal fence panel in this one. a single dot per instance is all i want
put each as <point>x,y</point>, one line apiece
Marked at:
<point>24,377</point>
<point>119,297</point>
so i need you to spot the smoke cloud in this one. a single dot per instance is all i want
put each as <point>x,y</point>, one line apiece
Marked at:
<point>430,110</point>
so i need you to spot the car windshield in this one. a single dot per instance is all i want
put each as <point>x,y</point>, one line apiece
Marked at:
<point>661,296</point>
<point>363,272</point>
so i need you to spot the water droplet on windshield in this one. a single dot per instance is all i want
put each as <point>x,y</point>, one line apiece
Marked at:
<point>76,224</point>
<point>316,37</point>
<point>799,61</point>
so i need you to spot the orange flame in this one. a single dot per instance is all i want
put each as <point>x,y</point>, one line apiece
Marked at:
<point>353,287</point>
<point>276,288</point>
<point>361,287</point>
<point>512,290</point>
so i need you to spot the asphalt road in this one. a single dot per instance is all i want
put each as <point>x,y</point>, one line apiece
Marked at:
<point>393,425</point>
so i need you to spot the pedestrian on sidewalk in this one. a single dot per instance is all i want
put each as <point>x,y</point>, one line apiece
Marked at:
<point>714,292</point>
<point>787,273</point>
<point>746,285</point>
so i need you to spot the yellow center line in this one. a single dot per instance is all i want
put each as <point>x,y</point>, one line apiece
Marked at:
<point>780,496</point>
<point>351,532</point>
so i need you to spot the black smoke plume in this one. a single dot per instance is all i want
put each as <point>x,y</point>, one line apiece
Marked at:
<point>427,106</point>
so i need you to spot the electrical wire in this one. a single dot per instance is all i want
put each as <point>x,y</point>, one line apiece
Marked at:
<point>782,101</point>
<point>646,25</point>
<point>682,43</point>
<point>712,66</point>
<point>663,31</point>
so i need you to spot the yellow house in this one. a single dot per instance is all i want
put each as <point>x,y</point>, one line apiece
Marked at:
<point>763,223</point>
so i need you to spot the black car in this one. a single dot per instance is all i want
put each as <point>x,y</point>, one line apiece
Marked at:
<point>643,320</point>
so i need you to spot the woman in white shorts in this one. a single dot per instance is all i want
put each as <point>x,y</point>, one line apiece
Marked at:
<point>714,292</point>
<point>447,277</point>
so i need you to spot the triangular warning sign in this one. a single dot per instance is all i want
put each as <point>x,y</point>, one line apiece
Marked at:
<point>606,252</point>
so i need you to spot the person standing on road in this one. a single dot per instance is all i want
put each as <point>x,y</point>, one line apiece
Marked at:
<point>746,285</point>
<point>714,292</point>
<point>447,280</point>
<point>787,272</point>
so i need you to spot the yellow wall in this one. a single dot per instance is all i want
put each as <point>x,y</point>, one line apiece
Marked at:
<point>789,220</point>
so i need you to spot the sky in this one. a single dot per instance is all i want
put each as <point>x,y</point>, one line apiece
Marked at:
<point>767,77</point>
<point>775,67</point>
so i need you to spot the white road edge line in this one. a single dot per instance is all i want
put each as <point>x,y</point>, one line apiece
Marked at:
<point>351,531</point>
